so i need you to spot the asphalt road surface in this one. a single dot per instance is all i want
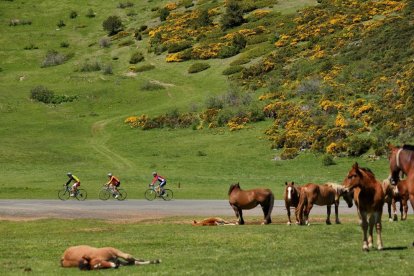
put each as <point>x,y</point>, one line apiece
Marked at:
<point>136,209</point>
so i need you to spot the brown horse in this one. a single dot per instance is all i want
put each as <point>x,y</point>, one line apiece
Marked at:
<point>326,194</point>
<point>402,197</point>
<point>391,194</point>
<point>88,258</point>
<point>248,199</point>
<point>370,201</point>
<point>212,222</point>
<point>291,197</point>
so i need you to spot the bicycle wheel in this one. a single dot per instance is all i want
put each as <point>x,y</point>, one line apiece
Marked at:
<point>104,194</point>
<point>168,194</point>
<point>63,194</point>
<point>150,194</point>
<point>122,194</point>
<point>81,194</point>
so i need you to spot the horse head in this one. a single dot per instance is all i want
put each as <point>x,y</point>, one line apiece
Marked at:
<point>290,190</point>
<point>234,186</point>
<point>348,196</point>
<point>354,177</point>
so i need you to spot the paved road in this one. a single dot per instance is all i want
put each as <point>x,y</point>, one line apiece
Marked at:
<point>134,209</point>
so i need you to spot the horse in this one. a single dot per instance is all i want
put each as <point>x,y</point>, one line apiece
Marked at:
<point>402,197</point>
<point>370,201</point>
<point>211,222</point>
<point>248,199</point>
<point>90,258</point>
<point>291,197</point>
<point>326,194</point>
<point>391,193</point>
<point>401,161</point>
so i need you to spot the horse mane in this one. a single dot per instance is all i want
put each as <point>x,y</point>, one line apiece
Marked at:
<point>368,172</point>
<point>232,186</point>
<point>408,147</point>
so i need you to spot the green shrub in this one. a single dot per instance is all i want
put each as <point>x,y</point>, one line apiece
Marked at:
<point>232,70</point>
<point>107,69</point>
<point>163,13</point>
<point>358,145</point>
<point>144,68</point>
<point>198,67</point>
<point>178,46</point>
<point>233,16</point>
<point>127,42</point>
<point>240,61</point>
<point>150,86</point>
<point>289,153</point>
<point>136,57</point>
<point>61,24</point>
<point>31,46</point>
<point>228,51</point>
<point>125,5</point>
<point>64,44</point>
<point>112,25</point>
<point>73,14</point>
<point>53,58</point>
<point>90,13</point>
<point>328,160</point>
<point>90,66</point>
<point>104,42</point>
<point>44,95</point>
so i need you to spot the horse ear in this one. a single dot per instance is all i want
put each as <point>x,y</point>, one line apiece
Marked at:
<point>293,183</point>
<point>285,183</point>
<point>355,166</point>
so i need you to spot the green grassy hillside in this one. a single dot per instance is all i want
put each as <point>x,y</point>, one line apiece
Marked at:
<point>41,142</point>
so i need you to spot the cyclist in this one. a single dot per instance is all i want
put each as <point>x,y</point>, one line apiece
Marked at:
<point>114,184</point>
<point>75,186</point>
<point>162,181</point>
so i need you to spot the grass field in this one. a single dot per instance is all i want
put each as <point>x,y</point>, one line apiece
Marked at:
<point>275,249</point>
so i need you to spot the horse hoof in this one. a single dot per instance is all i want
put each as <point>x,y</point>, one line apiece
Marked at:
<point>380,248</point>
<point>337,222</point>
<point>328,223</point>
<point>289,223</point>
<point>365,249</point>
<point>391,220</point>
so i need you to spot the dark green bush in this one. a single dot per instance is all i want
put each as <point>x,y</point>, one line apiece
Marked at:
<point>112,25</point>
<point>198,67</point>
<point>90,13</point>
<point>136,57</point>
<point>53,58</point>
<point>61,24</point>
<point>358,145</point>
<point>144,68</point>
<point>328,160</point>
<point>233,16</point>
<point>73,14</point>
<point>44,95</point>
<point>64,44</point>
<point>289,153</point>
<point>125,5</point>
<point>178,46</point>
<point>232,70</point>
<point>163,13</point>
<point>150,86</point>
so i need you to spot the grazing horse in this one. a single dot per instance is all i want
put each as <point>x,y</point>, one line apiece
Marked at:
<point>248,199</point>
<point>326,194</point>
<point>291,197</point>
<point>88,258</point>
<point>370,201</point>
<point>391,193</point>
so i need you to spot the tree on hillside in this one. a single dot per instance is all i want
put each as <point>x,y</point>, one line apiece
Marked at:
<point>113,25</point>
<point>233,16</point>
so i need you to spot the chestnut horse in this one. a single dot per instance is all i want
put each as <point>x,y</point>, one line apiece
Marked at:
<point>402,197</point>
<point>291,197</point>
<point>88,258</point>
<point>391,193</point>
<point>326,194</point>
<point>248,199</point>
<point>370,201</point>
<point>402,161</point>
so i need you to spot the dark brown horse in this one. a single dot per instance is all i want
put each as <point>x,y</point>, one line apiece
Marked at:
<point>321,195</point>
<point>291,197</point>
<point>370,201</point>
<point>248,199</point>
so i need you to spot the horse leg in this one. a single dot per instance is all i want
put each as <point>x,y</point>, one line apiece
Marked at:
<point>241,220</point>
<point>378,225</point>
<point>269,208</point>
<point>288,214</point>
<point>236,212</point>
<point>307,212</point>
<point>337,221</point>
<point>364,225</point>
<point>394,210</point>
<point>404,206</point>
<point>372,222</point>
<point>389,211</point>
<point>328,214</point>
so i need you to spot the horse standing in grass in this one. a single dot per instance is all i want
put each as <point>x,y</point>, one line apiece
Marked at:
<point>291,197</point>
<point>391,193</point>
<point>402,161</point>
<point>370,201</point>
<point>326,194</point>
<point>402,197</point>
<point>248,199</point>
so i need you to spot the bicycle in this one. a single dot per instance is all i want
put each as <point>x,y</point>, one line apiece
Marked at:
<point>65,193</point>
<point>154,191</point>
<point>107,191</point>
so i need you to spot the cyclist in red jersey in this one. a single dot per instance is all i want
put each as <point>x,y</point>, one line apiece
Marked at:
<point>114,183</point>
<point>160,179</point>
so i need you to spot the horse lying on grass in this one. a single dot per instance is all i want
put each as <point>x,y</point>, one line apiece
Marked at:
<point>291,197</point>
<point>248,199</point>
<point>212,222</point>
<point>89,258</point>
<point>326,194</point>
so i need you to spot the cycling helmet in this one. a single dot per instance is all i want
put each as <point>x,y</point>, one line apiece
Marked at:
<point>69,174</point>
<point>154,173</point>
<point>109,174</point>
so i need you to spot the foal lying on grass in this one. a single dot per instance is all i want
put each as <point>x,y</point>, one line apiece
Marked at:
<point>88,258</point>
<point>212,222</point>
